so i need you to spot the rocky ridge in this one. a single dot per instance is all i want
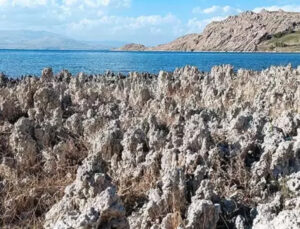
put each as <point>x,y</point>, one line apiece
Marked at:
<point>186,149</point>
<point>247,32</point>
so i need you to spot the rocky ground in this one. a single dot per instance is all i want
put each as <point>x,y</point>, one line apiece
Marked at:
<point>186,149</point>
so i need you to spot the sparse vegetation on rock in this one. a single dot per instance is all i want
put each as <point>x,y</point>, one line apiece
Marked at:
<point>186,149</point>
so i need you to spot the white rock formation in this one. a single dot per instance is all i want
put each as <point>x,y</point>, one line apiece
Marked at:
<point>89,202</point>
<point>176,150</point>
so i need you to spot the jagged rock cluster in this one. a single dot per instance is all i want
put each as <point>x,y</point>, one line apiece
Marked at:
<point>186,149</point>
<point>246,32</point>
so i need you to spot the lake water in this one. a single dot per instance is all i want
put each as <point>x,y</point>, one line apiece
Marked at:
<point>25,62</point>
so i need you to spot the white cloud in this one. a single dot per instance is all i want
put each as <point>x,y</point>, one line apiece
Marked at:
<point>23,3</point>
<point>149,29</point>
<point>66,3</point>
<point>132,23</point>
<point>2,2</point>
<point>196,26</point>
<point>289,8</point>
<point>105,3</point>
<point>70,2</point>
<point>212,9</point>
<point>94,20</point>
<point>208,15</point>
<point>216,9</point>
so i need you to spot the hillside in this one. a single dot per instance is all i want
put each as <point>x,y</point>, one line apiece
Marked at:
<point>184,43</point>
<point>132,47</point>
<point>27,39</point>
<point>282,42</point>
<point>246,32</point>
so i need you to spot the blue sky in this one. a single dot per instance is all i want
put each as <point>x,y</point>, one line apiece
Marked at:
<point>149,22</point>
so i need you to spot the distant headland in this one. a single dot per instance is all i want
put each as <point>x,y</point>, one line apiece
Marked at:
<point>266,31</point>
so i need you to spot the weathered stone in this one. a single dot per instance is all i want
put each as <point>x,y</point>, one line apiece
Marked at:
<point>90,202</point>
<point>202,214</point>
<point>47,74</point>
<point>172,147</point>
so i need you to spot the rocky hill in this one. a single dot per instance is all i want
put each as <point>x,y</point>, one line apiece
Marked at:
<point>187,149</point>
<point>132,47</point>
<point>184,43</point>
<point>247,32</point>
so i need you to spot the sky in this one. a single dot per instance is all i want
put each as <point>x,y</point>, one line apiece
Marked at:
<point>148,22</point>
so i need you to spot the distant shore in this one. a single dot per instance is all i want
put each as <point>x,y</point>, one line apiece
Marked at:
<point>179,51</point>
<point>145,51</point>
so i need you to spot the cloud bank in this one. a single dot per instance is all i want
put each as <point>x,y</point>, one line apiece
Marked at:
<point>112,19</point>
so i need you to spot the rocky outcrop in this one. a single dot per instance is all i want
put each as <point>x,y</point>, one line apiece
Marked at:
<point>186,149</point>
<point>185,43</point>
<point>270,216</point>
<point>132,47</point>
<point>89,202</point>
<point>247,32</point>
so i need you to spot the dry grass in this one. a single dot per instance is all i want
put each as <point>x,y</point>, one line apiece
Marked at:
<point>24,203</point>
<point>133,191</point>
<point>232,181</point>
<point>26,195</point>
<point>232,176</point>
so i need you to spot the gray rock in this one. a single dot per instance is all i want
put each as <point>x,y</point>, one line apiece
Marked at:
<point>272,216</point>
<point>202,214</point>
<point>90,202</point>
<point>170,146</point>
<point>47,74</point>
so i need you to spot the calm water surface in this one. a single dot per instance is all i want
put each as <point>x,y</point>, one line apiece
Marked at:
<point>24,62</point>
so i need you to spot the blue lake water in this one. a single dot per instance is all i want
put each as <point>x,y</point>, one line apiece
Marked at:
<point>25,62</point>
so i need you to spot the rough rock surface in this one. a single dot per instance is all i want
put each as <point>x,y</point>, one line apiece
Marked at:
<point>246,32</point>
<point>186,149</point>
<point>89,202</point>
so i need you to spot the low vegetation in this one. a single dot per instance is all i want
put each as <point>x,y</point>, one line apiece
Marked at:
<point>282,42</point>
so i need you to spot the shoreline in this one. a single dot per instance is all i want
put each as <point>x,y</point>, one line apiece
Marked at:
<point>120,75</point>
<point>149,51</point>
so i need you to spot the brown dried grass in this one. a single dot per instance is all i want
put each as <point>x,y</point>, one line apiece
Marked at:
<point>232,175</point>
<point>27,194</point>
<point>133,191</point>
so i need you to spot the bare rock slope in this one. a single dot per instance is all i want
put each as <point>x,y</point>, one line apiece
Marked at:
<point>176,150</point>
<point>246,32</point>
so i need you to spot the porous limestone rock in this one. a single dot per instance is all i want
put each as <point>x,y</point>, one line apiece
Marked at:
<point>271,215</point>
<point>202,214</point>
<point>171,150</point>
<point>89,202</point>
<point>47,74</point>
<point>22,142</point>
